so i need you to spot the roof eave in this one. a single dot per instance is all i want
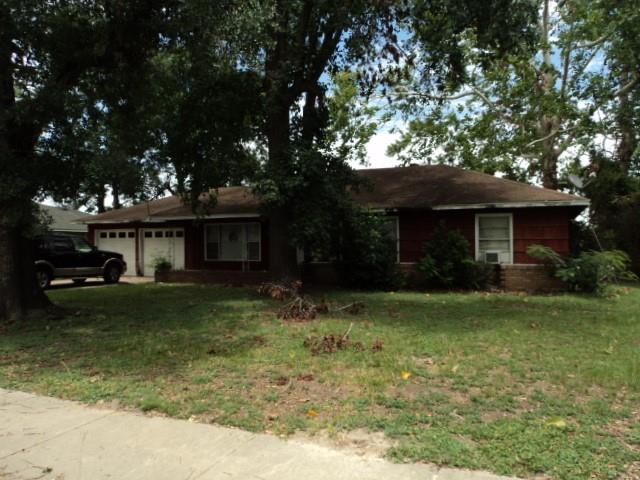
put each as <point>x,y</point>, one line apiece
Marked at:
<point>154,219</point>
<point>544,203</point>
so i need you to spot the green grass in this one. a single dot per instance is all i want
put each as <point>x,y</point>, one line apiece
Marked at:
<point>520,385</point>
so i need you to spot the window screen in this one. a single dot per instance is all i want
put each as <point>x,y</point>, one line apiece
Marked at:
<point>494,236</point>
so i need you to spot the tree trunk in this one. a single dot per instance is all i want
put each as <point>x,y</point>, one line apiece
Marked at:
<point>282,255</point>
<point>115,190</point>
<point>550,170</point>
<point>628,143</point>
<point>19,291</point>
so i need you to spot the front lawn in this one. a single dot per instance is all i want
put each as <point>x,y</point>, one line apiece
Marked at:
<point>521,385</point>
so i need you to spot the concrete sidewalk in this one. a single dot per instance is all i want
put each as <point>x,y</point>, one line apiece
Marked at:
<point>47,438</point>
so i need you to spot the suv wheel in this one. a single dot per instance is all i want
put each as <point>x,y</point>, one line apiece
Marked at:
<point>43,278</point>
<point>111,274</point>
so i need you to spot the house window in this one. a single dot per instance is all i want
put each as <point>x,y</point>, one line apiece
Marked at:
<point>494,238</point>
<point>112,234</point>
<point>158,234</point>
<point>147,234</point>
<point>122,234</point>
<point>233,242</point>
<point>392,224</point>
<point>132,234</point>
<point>103,234</point>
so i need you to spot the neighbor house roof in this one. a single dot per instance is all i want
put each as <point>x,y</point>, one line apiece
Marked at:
<point>437,187</point>
<point>64,219</point>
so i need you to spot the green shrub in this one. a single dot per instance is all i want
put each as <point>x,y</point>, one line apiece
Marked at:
<point>448,263</point>
<point>589,272</point>
<point>367,253</point>
<point>161,264</point>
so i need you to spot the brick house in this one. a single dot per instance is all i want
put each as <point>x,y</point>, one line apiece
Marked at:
<point>500,219</point>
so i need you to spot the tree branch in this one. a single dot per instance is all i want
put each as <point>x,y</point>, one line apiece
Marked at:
<point>626,88</point>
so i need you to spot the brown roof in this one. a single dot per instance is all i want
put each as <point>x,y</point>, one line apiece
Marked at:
<point>230,200</point>
<point>414,187</point>
<point>441,186</point>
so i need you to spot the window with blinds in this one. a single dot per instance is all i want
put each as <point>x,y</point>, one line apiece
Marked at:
<point>494,238</point>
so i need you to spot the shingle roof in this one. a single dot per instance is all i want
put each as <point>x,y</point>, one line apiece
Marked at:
<point>441,186</point>
<point>63,219</point>
<point>414,187</point>
<point>229,200</point>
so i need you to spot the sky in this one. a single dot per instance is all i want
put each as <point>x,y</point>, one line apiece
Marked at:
<point>376,151</point>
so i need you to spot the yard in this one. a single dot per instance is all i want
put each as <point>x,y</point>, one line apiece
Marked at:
<point>522,385</point>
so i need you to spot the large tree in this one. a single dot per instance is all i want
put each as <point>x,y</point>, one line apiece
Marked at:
<point>46,50</point>
<point>521,114</point>
<point>306,41</point>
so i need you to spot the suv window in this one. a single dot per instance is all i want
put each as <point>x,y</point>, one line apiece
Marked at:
<point>81,245</point>
<point>62,244</point>
<point>41,243</point>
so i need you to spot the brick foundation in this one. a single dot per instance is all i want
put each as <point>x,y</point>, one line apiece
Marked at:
<point>529,278</point>
<point>213,276</point>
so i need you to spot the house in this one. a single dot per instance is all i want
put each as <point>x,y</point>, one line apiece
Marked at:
<point>500,218</point>
<point>65,220</point>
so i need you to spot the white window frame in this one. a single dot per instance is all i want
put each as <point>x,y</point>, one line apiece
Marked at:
<point>219,224</point>
<point>397,220</point>
<point>477,242</point>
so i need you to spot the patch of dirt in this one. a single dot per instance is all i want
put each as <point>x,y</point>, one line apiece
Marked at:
<point>413,390</point>
<point>632,473</point>
<point>360,441</point>
<point>621,428</point>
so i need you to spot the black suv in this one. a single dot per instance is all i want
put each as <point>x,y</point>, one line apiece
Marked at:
<point>69,256</point>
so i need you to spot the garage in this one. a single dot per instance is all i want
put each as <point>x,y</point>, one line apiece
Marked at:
<point>165,243</point>
<point>121,241</point>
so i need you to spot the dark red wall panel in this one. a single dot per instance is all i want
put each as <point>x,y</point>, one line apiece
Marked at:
<point>546,226</point>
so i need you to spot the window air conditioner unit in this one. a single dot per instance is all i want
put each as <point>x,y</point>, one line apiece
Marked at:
<point>492,257</point>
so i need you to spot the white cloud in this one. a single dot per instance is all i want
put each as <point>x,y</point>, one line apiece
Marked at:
<point>377,151</point>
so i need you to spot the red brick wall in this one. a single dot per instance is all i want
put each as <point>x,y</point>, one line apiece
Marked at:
<point>530,278</point>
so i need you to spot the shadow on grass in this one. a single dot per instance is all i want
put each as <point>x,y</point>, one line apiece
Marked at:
<point>138,330</point>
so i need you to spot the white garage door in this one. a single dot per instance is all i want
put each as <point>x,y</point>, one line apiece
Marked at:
<point>120,241</point>
<point>163,243</point>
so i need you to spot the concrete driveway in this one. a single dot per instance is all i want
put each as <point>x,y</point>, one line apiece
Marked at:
<point>97,282</point>
<point>51,439</point>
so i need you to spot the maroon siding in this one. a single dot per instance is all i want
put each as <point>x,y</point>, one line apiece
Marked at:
<point>418,227</point>
<point>546,226</point>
